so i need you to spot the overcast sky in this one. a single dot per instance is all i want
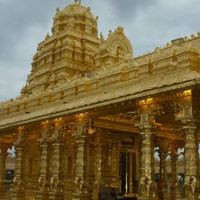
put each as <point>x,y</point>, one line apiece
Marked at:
<point>147,23</point>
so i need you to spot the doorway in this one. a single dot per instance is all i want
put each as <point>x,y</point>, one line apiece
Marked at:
<point>127,173</point>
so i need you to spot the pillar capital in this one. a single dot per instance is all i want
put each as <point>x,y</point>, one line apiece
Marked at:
<point>20,136</point>
<point>56,131</point>
<point>44,129</point>
<point>81,118</point>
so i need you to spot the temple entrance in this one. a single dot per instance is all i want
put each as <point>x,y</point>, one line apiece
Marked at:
<point>127,172</point>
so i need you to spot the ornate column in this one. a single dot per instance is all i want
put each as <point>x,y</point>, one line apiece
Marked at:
<point>191,153</point>
<point>97,167</point>
<point>56,184</point>
<point>80,182</point>
<point>163,173</point>
<point>147,189</point>
<point>190,161</point>
<point>115,165</point>
<point>18,185</point>
<point>42,181</point>
<point>3,155</point>
<point>173,186</point>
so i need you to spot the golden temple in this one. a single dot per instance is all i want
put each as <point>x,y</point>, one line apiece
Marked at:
<point>93,122</point>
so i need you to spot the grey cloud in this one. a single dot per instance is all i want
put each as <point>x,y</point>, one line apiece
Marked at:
<point>126,9</point>
<point>17,17</point>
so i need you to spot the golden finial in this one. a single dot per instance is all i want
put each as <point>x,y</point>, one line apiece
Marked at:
<point>78,1</point>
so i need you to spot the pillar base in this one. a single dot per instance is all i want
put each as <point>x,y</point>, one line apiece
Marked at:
<point>17,195</point>
<point>148,198</point>
<point>41,196</point>
<point>55,196</point>
<point>144,198</point>
<point>81,197</point>
<point>191,198</point>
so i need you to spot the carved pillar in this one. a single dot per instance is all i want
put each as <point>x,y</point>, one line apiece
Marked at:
<point>81,183</point>
<point>18,185</point>
<point>97,167</point>
<point>163,173</point>
<point>3,155</point>
<point>174,186</point>
<point>114,165</point>
<point>190,161</point>
<point>146,185</point>
<point>42,181</point>
<point>191,153</point>
<point>56,184</point>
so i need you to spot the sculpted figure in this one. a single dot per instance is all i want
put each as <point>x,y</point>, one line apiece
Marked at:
<point>54,184</point>
<point>17,182</point>
<point>193,184</point>
<point>190,186</point>
<point>141,186</point>
<point>153,190</point>
<point>78,185</point>
<point>145,186</point>
<point>19,138</point>
<point>42,183</point>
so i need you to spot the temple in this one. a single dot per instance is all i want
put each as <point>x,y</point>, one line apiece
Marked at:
<point>94,122</point>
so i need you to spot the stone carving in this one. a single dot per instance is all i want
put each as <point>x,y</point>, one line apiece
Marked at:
<point>20,136</point>
<point>117,41</point>
<point>80,186</point>
<point>58,130</point>
<point>190,186</point>
<point>17,183</point>
<point>42,183</point>
<point>55,185</point>
<point>153,190</point>
<point>144,186</point>
<point>44,131</point>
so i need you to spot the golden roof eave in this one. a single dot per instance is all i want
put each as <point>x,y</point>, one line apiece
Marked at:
<point>64,109</point>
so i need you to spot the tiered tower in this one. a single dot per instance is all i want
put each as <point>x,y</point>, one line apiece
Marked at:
<point>74,50</point>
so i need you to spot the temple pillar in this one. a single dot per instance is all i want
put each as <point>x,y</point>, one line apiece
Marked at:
<point>81,182</point>
<point>173,186</point>
<point>3,155</point>
<point>191,178</point>
<point>98,182</point>
<point>163,171</point>
<point>191,152</point>
<point>147,188</point>
<point>42,181</point>
<point>115,165</point>
<point>18,185</point>
<point>56,184</point>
